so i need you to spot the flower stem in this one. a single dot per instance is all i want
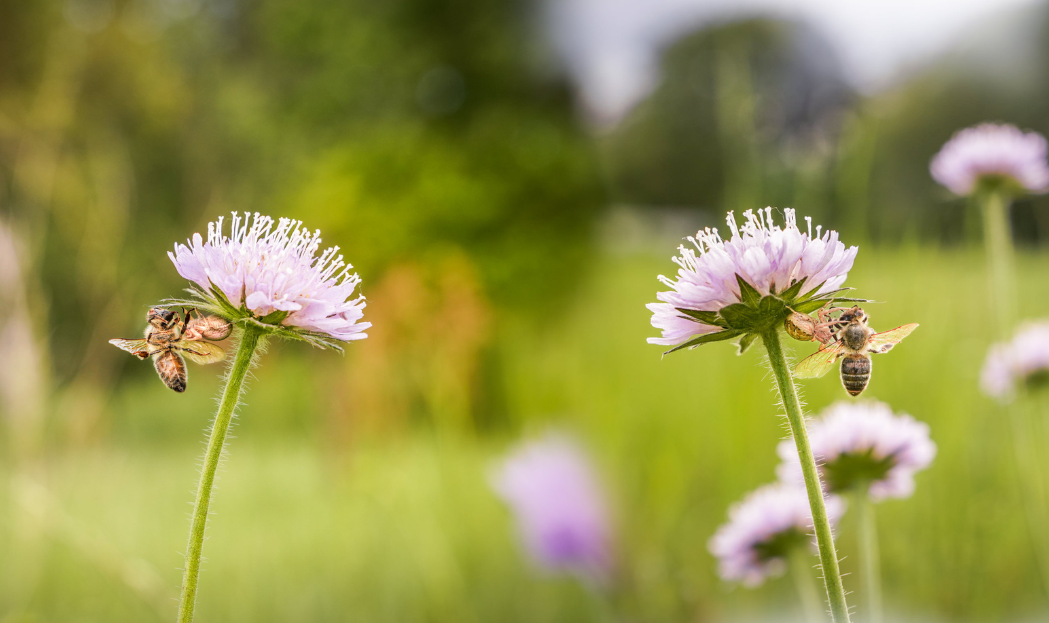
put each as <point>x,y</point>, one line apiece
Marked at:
<point>869,556</point>
<point>998,242</point>
<point>801,571</point>
<point>249,341</point>
<point>1001,290</point>
<point>824,538</point>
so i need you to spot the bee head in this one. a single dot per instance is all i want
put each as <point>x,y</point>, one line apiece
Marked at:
<point>161,318</point>
<point>854,314</point>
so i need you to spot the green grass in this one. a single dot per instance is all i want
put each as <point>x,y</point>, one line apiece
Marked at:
<point>404,528</point>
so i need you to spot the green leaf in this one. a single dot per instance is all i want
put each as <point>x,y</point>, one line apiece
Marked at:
<point>838,300</point>
<point>807,307</point>
<point>742,318</point>
<point>746,342</point>
<point>747,293</point>
<point>706,339</point>
<point>706,317</point>
<point>810,294</point>
<point>772,307</point>
<point>794,290</point>
<point>826,296</point>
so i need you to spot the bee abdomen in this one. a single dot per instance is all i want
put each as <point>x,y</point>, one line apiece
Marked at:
<point>855,373</point>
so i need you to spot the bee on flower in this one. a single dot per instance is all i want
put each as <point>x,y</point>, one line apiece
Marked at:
<point>268,273</point>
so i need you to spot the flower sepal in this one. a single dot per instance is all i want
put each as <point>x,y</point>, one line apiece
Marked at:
<point>213,302</point>
<point>755,314</point>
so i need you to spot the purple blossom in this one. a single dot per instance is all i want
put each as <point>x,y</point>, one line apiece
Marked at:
<point>560,506</point>
<point>863,443</point>
<point>762,529</point>
<point>267,268</point>
<point>767,256</point>
<point>990,152</point>
<point>1018,361</point>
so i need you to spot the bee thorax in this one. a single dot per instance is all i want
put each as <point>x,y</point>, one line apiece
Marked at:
<point>855,336</point>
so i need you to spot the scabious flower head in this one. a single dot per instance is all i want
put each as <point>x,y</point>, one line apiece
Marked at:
<point>860,444</point>
<point>991,154</point>
<point>760,258</point>
<point>269,272</point>
<point>763,529</point>
<point>1023,360</point>
<point>560,506</point>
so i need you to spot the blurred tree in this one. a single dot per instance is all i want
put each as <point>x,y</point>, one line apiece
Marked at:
<point>742,111</point>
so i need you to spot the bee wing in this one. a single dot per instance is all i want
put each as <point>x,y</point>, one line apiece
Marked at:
<point>883,342</point>
<point>139,347</point>
<point>202,352</point>
<point>819,363</point>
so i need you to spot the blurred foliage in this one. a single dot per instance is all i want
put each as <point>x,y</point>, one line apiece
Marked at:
<point>438,144</point>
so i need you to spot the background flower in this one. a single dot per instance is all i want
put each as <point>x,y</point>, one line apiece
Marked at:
<point>762,529</point>
<point>1023,359</point>
<point>863,444</point>
<point>560,507</point>
<point>990,152</point>
<point>766,256</point>
<point>265,269</point>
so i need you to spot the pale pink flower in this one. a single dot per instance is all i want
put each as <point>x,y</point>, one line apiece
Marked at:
<point>560,506</point>
<point>859,444</point>
<point>263,267</point>
<point>762,530</point>
<point>992,152</point>
<point>1020,360</point>
<point>767,256</point>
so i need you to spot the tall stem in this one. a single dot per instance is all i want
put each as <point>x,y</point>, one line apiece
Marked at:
<point>824,538</point>
<point>870,560</point>
<point>249,341</point>
<point>801,571</point>
<point>1001,290</point>
<point>998,242</point>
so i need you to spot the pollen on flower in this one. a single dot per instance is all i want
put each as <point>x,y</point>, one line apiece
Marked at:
<point>560,506</point>
<point>266,266</point>
<point>992,153</point>
<point>763,529</point>
<point>1023,360</point>
<point>768,257</point>
<point>863,444</point>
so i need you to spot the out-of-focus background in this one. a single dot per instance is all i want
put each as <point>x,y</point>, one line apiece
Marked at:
<point>508,178</point>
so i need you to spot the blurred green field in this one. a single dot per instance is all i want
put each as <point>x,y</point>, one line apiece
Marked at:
<point>310,527</point>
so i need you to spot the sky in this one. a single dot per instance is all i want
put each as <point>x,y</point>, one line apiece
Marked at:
<point>611,47</point>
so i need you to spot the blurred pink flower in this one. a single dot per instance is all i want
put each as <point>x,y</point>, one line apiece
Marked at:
<point>762,529</point>
<point>265,269</point>
<point>560,506</point>
<point>990,152</point>
<point>863,443</point>
<point>1018,361</point>
<point>765,255</point>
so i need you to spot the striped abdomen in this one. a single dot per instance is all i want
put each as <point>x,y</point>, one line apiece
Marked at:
<point>855,373</point>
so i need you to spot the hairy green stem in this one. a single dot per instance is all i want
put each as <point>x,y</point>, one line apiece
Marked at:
<point>809,597</point>
<point>249,341</point>
<point>869,556</point>
<point>824,538</point>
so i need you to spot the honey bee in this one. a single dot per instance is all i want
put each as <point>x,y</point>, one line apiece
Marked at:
<point>169,336</point>
<point>854,343</point>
